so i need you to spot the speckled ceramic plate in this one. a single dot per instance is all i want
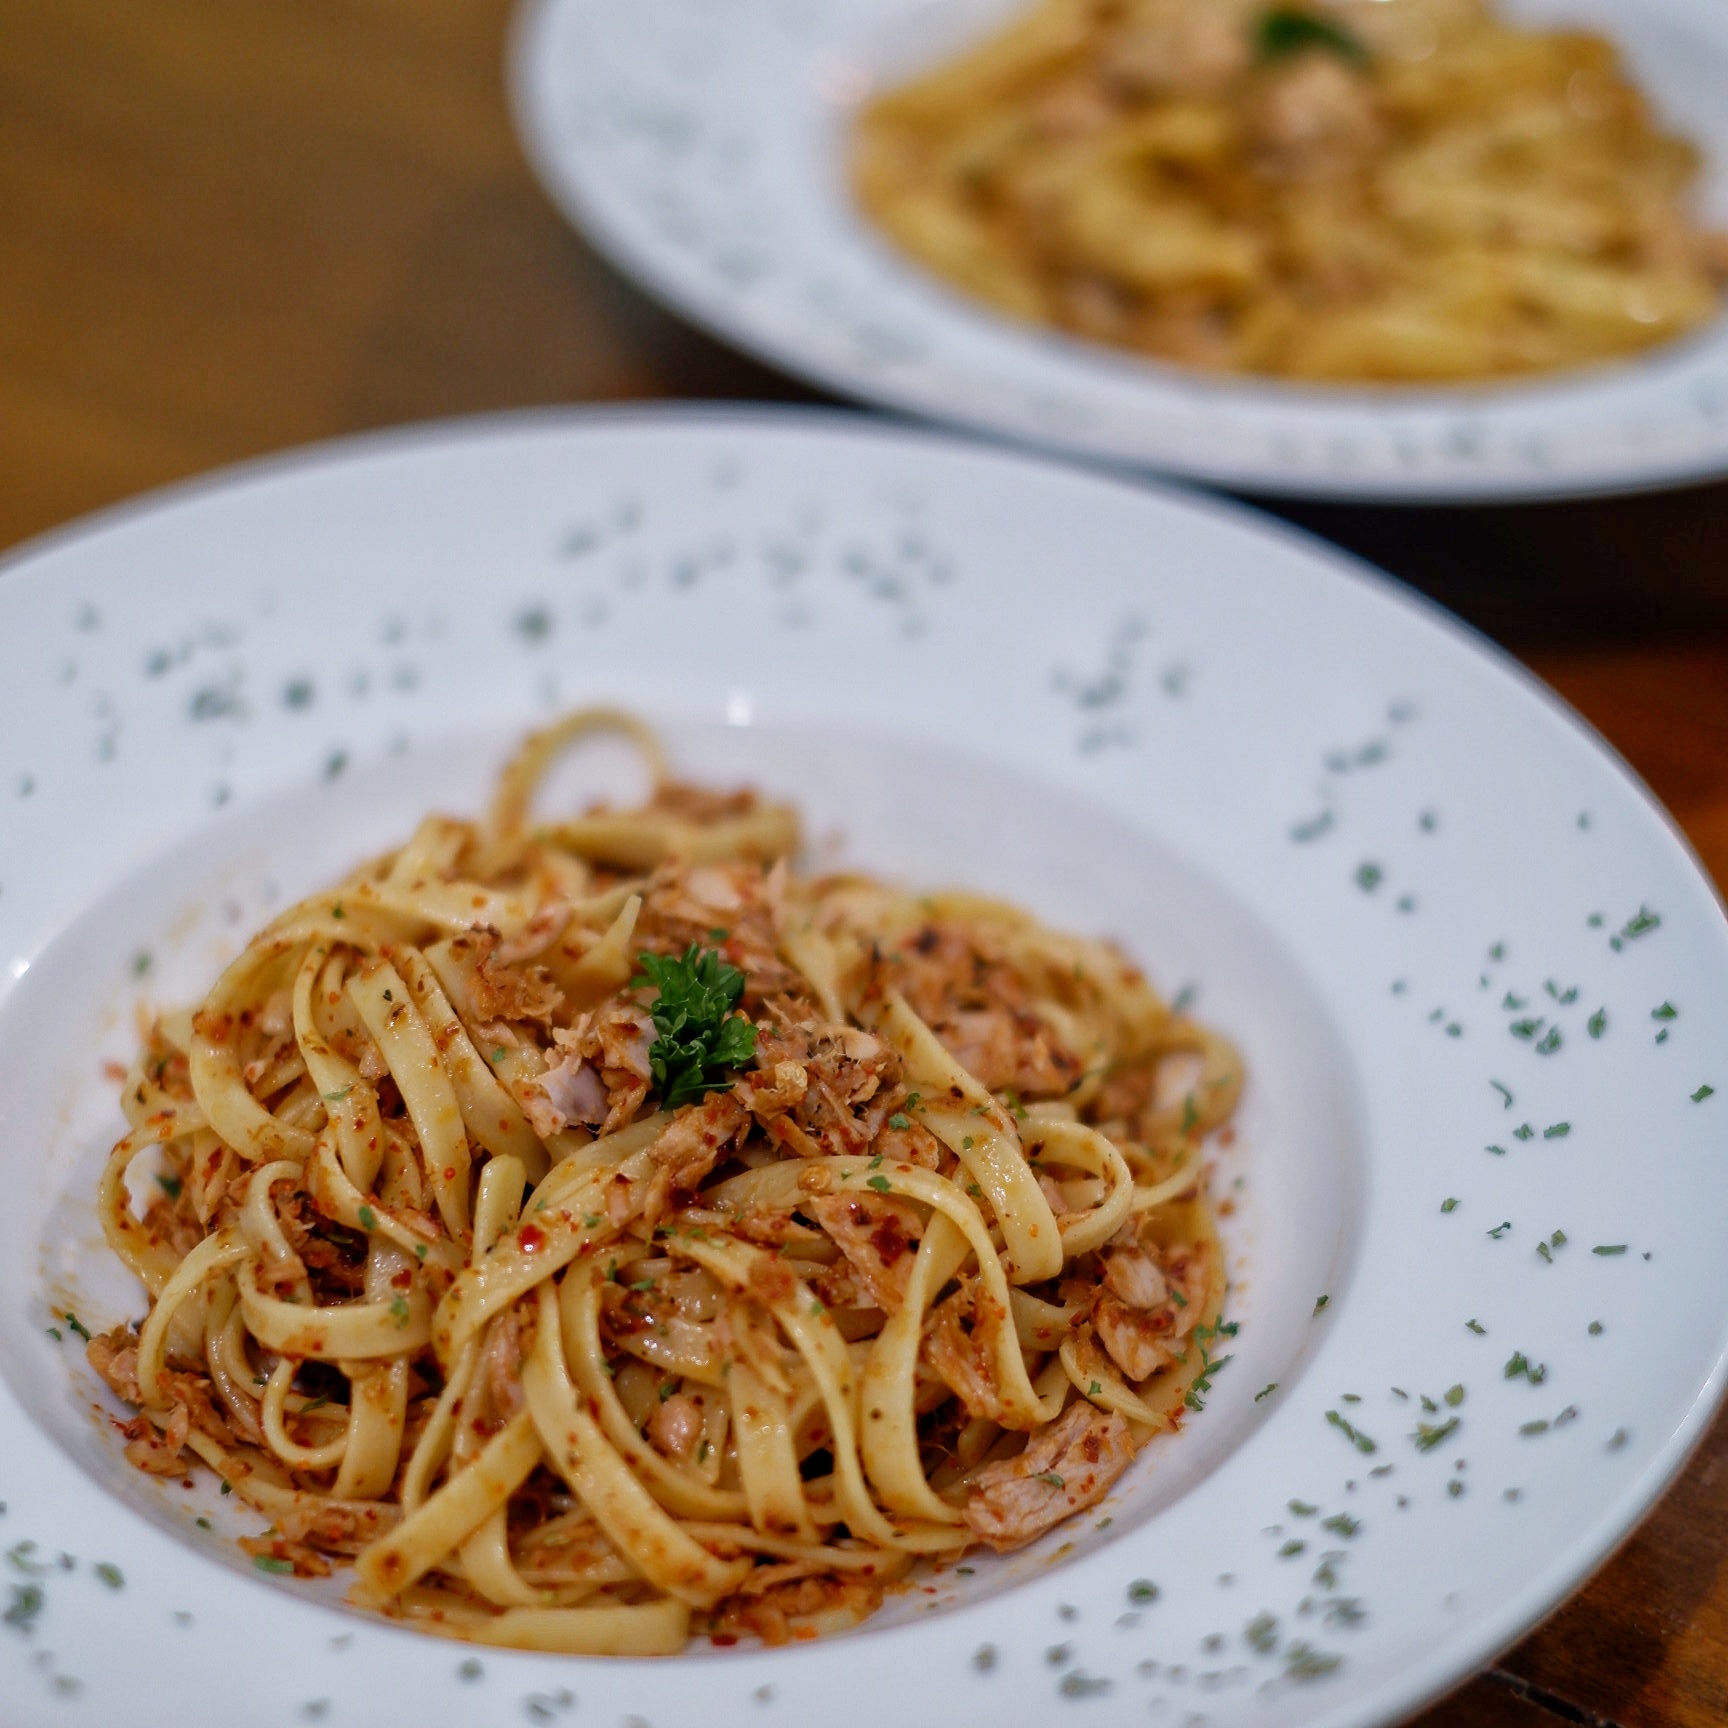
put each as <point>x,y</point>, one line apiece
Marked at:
<point>1481,986</point>
<point>702,143</point>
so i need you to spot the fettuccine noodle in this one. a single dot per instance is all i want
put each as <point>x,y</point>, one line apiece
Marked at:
<point>579,1326</point>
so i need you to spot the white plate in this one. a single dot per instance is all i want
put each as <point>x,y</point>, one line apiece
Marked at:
<point>701,143</point>
<point>1350,825</point>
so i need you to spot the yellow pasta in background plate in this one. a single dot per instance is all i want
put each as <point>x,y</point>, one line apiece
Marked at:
<point>1366,190</point>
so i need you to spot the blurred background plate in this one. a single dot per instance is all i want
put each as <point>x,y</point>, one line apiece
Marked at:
<point>702,144</point>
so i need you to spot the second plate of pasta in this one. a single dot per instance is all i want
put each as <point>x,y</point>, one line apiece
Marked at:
<point>1426,249</point>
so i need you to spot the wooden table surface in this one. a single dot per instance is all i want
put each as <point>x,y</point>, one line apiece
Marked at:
<point>228,228</point>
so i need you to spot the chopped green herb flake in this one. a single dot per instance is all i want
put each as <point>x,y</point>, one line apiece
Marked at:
<point>1428,1435</point>
<point>1303,1662</point>
<point>1368,877</point>
<point>880,1183</point>
<point>336,1097</point>
<point>1477,1327</point>
<point>1641,924</point>
<point>368,1218</point>
<point>1341,1524</point>
<point>170,1185</point>
<point>1500,1230</point>
<point>900,1120</point>
<point>1359,1440</point>
<point>1303,1508</point>
<point>1702,1093</point>
<point>1505,1094</point>
<point>1666,1012</point>
<point>269,1563</point>
<point>27,1602</point>
<point>1550,1043</point>
<point>1537,1427</point>
<point>1523,1132</point>
<point>1454,1396</point>
<point>76,1324</point>
<point>1595,1328</point>
<point>1606,1248</point>
<point>1052,1478</point>
<point>110,1574</point>
<point>1498,1151</point>
<point>1598,1023</point>
<point>1557,1131</point>
<point>227,1487</point>
<point>1319,1303</point>
<point>1449,1205</point>
<point>1292,1548</point>
<point>1142,1591</point>
<point>1266,1391</point>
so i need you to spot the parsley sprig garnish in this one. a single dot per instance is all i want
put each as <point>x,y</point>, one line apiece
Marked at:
<point>700,1037</point>
<point>1284,31</point>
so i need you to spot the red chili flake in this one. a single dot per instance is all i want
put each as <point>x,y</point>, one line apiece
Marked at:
<point>532,1238</point>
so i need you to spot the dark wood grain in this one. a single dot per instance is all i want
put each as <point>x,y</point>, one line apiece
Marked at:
<point>228,228</point>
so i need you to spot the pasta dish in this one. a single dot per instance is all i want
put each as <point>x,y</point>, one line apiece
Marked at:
<point>1365,190</point>
<point>599,1234</point>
